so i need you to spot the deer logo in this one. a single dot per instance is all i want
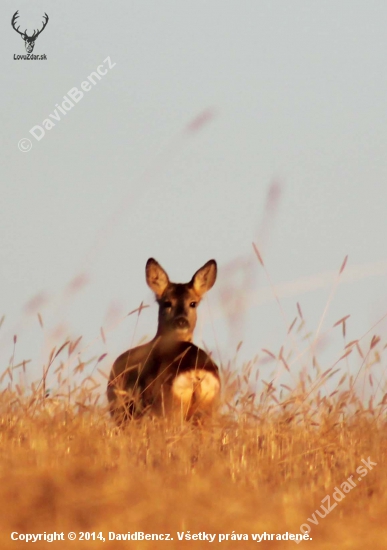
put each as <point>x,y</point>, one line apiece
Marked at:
<point>29,40</point>
<point>169,375</point>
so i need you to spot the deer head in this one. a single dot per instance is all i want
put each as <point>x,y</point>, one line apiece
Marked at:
<point>178,301</point>
<point>29,40</point>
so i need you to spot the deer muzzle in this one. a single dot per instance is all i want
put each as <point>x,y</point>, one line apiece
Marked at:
<point>181,323</point>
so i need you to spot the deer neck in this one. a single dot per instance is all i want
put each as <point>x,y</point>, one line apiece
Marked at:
<point>171,337</point>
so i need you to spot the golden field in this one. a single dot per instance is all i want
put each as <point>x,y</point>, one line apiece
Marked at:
<point>267,462</point>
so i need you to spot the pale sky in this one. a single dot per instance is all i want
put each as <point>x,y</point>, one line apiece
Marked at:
<point>293,93</point>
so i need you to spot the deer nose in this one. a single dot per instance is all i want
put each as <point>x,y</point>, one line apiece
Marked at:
<point>181,322</point>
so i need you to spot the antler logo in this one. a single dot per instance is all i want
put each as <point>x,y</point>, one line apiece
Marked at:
<point>29,40</point>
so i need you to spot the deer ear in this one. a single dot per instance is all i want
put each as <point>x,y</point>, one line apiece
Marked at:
<point>204,278</point>
<point>156,277</point>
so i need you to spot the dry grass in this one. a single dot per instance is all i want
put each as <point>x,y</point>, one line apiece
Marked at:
<point>264,464</point>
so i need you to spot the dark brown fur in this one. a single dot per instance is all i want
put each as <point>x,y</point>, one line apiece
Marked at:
<point>169,373</point>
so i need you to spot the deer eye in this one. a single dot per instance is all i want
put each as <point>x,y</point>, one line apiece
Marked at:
<point>193,304</point>
<point>167,304</point>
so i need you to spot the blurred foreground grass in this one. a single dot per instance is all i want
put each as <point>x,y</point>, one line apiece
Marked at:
<point>265,465</point>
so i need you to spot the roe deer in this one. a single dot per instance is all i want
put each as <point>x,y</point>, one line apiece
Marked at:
<point>169,375</point>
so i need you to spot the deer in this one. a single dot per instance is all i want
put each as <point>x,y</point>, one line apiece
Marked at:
<point>29,40</point>
<point>169,375</point>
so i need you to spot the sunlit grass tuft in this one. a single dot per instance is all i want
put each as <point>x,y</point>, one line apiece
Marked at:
<point>288,433</point>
